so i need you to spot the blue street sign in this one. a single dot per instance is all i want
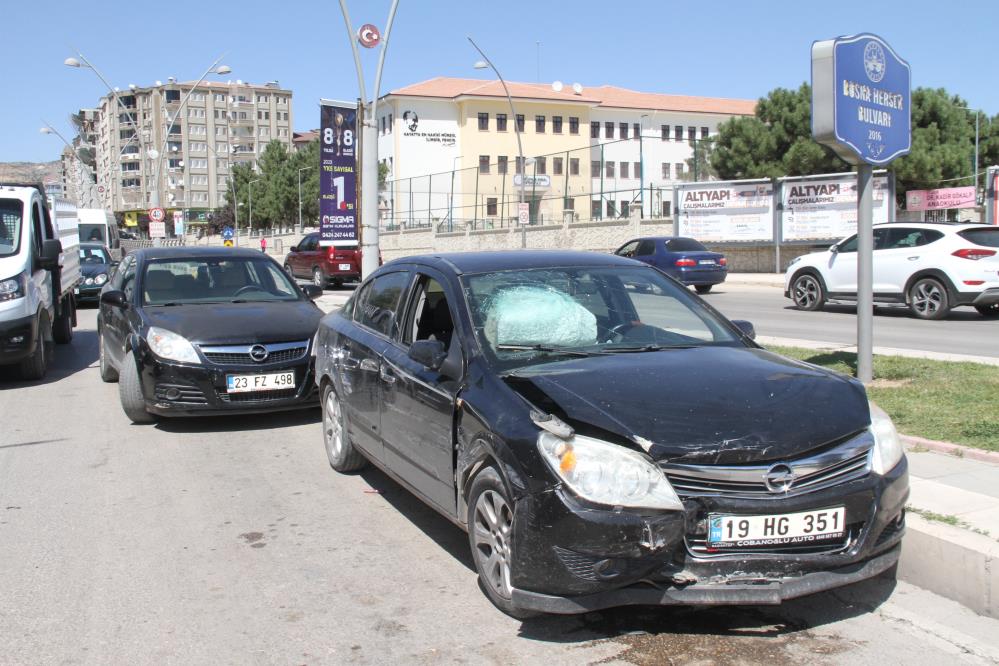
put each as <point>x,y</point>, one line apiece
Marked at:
<point>227,233</point>
<point>861,99</point>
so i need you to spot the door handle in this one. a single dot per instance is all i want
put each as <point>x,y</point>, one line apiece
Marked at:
<point>368,365</point>
<point>914,258</point>
<point>386,375</point>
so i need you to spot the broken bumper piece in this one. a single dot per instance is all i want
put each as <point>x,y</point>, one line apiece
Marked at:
<point>762,591</point>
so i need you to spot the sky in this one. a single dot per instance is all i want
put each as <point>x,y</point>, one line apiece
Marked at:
<point>708,48</point>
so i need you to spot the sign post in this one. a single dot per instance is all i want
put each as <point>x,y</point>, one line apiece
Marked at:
<point>861,91</point>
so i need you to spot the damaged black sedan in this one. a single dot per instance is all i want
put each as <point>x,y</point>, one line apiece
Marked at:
<point>607,438</point>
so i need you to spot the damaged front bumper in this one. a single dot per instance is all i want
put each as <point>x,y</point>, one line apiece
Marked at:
<point>573,558</point>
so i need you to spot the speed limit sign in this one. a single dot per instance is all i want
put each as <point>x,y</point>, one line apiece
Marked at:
<point>157,214</point>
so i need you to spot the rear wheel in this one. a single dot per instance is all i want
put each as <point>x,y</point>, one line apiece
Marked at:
<point>130,392</point>
<point>318,277</point>
<point>928,299</point>
<point>342,455</point>
<point>108,373</point>
<point>807,292</point>
<point>287,269</point>
<point>988,310</point>
<point>62,332</point>
<point>702,288</point>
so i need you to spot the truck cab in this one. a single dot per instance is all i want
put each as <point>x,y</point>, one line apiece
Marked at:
<point>39,269</point>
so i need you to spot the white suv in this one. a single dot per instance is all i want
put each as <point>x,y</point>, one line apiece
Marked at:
<point>929,267</point>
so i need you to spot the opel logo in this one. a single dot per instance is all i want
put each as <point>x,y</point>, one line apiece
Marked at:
<point>259,353</point>
<point>779,478</point>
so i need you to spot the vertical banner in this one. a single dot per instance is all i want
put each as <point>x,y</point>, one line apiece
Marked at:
<point>337,175</point>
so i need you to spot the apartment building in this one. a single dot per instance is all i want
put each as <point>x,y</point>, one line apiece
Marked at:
<point>594,153</point>
<point>221,125</point>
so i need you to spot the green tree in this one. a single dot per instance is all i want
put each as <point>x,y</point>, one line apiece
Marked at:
<point>307,158</point>
<point>278,188</point>
<point>239,177</point>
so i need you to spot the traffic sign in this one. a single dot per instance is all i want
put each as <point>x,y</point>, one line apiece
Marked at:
<point>227,242</point>
<point>524,213</point>
<point>368,36</point>
<point>157,214</point>
<point>157,229</point>
<point>860,99</point>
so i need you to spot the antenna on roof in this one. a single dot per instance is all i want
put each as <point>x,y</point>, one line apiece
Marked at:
<point>577,89</point>
<point>557,86</point>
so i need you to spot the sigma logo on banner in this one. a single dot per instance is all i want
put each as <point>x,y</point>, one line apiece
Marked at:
<point>337,175</point>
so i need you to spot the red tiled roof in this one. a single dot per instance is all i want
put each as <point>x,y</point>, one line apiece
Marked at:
<point>605,96</point>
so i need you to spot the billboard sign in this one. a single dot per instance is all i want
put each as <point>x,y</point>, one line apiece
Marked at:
<point>941,199</point>
<point>826,208</point>
<point>157,229</point>
<point>718,212</point>
<point>860,99</point>
<point>337,174</point>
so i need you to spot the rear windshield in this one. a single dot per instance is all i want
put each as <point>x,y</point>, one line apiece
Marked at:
<point>94,233</point>
<point>685,245</point>
<point>11,213</point>
<point>988,237</point>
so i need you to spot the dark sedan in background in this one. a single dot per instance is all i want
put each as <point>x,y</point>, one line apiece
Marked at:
<point>683,259</point>
<point>96,266</point>
<point>194,331</point>
<point>605,437</point>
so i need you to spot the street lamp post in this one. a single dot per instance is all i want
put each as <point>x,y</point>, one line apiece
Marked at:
<point>249,229</point>
<point>301,225</point>
<point>450,215</point>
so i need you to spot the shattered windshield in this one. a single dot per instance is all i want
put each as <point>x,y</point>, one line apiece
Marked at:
<point>525,317</point>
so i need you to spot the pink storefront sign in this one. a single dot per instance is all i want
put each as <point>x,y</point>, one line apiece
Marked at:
<point>948,197</point>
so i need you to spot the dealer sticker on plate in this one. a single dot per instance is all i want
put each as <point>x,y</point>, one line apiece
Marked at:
<point>276,381</point>
<point>789,529</point>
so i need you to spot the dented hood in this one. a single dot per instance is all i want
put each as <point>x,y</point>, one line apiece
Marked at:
<point>713,405</point>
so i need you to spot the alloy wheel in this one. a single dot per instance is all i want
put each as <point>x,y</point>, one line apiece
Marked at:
<point>927,298</point>
<point>333,426</point>
<point>492,528</point>
<point>318,279</point>
<point>805,292</point>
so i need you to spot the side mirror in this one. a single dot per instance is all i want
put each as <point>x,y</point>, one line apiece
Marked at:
<point>51,249</point>
<point>428,353</point>
<point>746,327</point>
<point>294,248</point>
<point>115,298</point>
<point>834,248</point>
<point>312,291</point>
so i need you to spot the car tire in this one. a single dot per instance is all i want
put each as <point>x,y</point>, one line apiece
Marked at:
<point>807,292</point>
<point>318,277</point>
<point>928,299</point>
<point>490,536</point>
<point>62,332</point>
<point>341,453</point>
<point>35,366</point>
<point>990,311</point>
<point>130,392</point>
<point>702,288</point>
<point>108,374</point>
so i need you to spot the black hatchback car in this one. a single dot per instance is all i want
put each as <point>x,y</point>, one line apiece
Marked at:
<point>197,331</point>
<point>605,437</point>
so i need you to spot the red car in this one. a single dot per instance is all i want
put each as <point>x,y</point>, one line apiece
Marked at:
<point>325,266</point>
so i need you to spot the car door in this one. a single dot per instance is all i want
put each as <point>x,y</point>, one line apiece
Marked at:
<point>628,249</point>
<point>114,321</point>
<point>360,354</point>
<point>645,251</point>
<point>418,403</point>
<point>296,259</point>
<point>841,275</point>
<point>904,252</point>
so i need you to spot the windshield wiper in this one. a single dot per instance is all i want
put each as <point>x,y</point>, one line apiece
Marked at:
<point>644,348</point>
<point>548,349</point>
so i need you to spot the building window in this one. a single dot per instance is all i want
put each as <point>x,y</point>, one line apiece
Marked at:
<point>220,97</point>
<point>556,163</point>
<point>609,169</point>
<point>483,164</point>
<point>594,130</point>
<point>500,122</point>
<point>666,208</point>
<point>623,127</point>
<point>678,133</point>
<point>573,125</point>
<point>491,206</point>
<point>595,209</point>
<point>172,96</point>
<point>638,170</point>
<point>679,170</point>
<point>608,130</point>
<point>691,134</point>
<point>636,131</point>
<point>557,124</point>
<point>483,121</point>
<point>520,122</point>
<point>595,169</point>
<point>624,169</point>
<point>390,123</point>
<point>539,124</point>
<point>541,165</point>
<point>501,163</point>
<point>665,131</point>
<point>573,166</point>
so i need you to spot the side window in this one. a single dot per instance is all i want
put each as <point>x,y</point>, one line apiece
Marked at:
<point>36,229</point>
<point>849,245</point>
<point>47,221</point>
<point>628,249</point>
<point>312,243</point>
<point>429,315</point>
<point>128,281</point>
<point>909,237</point>
<point>645,248</point>
<point>120,271</point>
<point>380,310</point>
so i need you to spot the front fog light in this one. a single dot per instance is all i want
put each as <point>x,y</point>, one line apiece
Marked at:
<point>607,473</point>
<point>167,344</point>
<point>887,446</point>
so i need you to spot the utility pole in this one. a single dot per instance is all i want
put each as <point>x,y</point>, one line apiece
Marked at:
<point>301,225</point>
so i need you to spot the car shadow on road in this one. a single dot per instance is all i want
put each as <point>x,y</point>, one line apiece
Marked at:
<point>897,312</point>
<point>239,422</point>
<point>79,354</point>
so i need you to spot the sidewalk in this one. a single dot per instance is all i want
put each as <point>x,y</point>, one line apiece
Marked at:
<point>761,279</point>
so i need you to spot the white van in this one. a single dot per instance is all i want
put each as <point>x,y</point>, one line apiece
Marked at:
<point>39,269</point>
<point>99,226</point>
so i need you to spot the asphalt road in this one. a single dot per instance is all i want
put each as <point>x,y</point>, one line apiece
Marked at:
<point>230,540</point>
<point>964,331</point>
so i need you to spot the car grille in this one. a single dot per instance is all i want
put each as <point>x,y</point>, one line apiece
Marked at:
<point>183,394</point>
<point>846,461</point>
<point>281,352</point>
<point>698,546</point>
<point>257,396</point>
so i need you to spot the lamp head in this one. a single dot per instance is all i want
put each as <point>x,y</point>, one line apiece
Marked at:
<point>481,64</point>
<point>223,69</point>
<point>72,62</point>
<point>45,130</point>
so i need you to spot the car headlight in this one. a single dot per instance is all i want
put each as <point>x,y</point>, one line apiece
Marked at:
<point>100,279</point>
<point>167,344</point>
<point>15,287</point>
<point>887,445</point>
<point>606,473</point>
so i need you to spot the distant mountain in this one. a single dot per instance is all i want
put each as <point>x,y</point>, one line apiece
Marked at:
<point>30,172</point>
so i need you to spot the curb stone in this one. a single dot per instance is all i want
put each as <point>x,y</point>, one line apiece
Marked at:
<point>949,448</point>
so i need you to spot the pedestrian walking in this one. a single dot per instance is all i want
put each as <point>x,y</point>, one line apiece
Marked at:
<point>263,243</point>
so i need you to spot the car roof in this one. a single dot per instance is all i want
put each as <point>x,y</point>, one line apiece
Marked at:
<point>952,226</point>
<point>184,252</point>
<point>485,262</point>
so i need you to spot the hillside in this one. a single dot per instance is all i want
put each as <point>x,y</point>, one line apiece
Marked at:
<point>29,172</point>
